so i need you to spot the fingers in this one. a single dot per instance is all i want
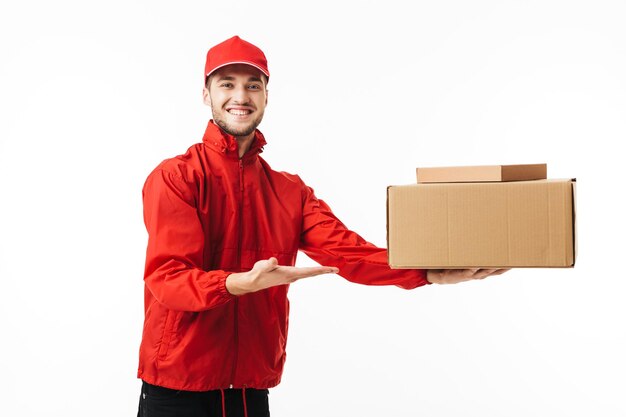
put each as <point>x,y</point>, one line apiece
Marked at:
<point>455,276</point>
<point>293,274</point>
<point>470,272</point>
<point>311,271</point>
<point>484,273</point>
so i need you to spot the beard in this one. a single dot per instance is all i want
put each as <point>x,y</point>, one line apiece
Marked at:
<point>238,131</point>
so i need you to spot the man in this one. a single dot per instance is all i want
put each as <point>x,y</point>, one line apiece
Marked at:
<point>224,230</point>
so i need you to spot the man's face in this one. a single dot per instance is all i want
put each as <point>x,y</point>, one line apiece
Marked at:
<point>237,95</point>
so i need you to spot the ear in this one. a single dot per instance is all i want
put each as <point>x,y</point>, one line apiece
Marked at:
<point>206,96</point>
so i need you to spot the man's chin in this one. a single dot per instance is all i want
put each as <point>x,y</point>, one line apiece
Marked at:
<point>237,130</point>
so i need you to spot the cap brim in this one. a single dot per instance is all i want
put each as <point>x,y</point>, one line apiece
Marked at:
<point>239,62</point>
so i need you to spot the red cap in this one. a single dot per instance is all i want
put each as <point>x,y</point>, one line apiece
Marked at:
<point>235,51</point>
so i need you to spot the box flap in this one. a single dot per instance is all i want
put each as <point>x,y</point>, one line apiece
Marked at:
<point>482,173</point>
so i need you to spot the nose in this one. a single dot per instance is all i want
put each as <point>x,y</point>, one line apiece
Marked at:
<point>240,95</point>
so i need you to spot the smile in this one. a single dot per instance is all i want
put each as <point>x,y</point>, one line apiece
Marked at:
<point>239,112</point>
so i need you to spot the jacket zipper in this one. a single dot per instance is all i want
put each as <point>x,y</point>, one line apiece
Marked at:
<point>239,265</point>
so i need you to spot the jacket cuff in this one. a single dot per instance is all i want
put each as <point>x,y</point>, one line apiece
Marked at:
<point>224,293</point>
<point>421,278</point>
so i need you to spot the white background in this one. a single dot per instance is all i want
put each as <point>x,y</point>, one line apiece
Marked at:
<point>94,94</point>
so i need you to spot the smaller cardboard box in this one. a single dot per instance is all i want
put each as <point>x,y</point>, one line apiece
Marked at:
<point>482,225</point>
<point>483,173</point>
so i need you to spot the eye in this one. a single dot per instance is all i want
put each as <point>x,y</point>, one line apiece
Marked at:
<point>254,87</point>
<point>226,85</point>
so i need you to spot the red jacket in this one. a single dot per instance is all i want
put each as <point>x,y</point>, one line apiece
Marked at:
<point>208,214</point>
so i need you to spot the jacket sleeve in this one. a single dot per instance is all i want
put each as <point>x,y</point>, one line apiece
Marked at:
<point>174,258</point>
<point>326,240</point>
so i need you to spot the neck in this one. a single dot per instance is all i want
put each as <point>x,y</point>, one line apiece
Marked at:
<point>244,143</point>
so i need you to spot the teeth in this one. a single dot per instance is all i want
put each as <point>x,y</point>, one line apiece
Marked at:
<point>239,112</point>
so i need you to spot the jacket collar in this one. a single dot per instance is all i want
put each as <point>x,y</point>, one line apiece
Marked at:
<point>220,141</point>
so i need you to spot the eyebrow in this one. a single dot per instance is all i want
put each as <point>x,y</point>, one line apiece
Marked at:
<point>230,78</point>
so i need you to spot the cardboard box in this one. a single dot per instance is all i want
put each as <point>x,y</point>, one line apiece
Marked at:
<point>493,224</point>
<point>483,173</point>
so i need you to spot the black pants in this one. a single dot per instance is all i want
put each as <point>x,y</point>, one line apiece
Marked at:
<point>164,402</point>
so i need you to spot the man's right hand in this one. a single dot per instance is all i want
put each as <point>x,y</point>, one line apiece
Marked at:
<point>267,273</point>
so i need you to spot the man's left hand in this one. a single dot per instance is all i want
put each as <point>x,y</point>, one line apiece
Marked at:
<point>454,276</point>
